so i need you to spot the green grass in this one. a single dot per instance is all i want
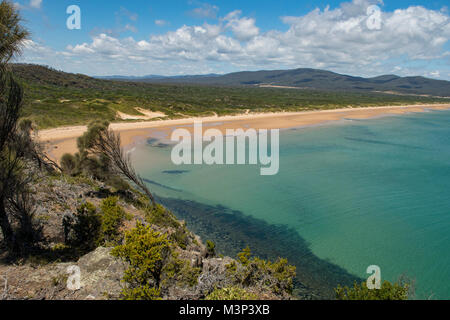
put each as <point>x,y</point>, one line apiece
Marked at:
<point>54,98</point>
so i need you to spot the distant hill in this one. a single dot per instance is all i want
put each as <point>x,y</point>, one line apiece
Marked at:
<point>318,79</point>
<point>42,75</point>
<point>55,98</point>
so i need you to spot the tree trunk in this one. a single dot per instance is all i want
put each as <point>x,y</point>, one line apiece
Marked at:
<point>8,234</point>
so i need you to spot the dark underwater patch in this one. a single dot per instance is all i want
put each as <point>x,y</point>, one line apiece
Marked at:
<point>175,171</point>
<point>161,185</point>
<point>232,231</point>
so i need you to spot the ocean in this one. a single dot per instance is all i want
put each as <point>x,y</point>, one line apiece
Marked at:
<point>348,195</point>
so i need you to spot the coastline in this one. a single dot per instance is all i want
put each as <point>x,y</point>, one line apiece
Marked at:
<point>63,140</point>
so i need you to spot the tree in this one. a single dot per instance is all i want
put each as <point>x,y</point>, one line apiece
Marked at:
<point>11,31</point>
<point>17,147</point>
<point>105,145</point>
<point>10,164</point>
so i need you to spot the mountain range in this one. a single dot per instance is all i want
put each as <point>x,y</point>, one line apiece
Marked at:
<point>309,79</point>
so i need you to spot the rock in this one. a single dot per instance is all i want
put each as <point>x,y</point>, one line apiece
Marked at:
<point>214,275</point>
<point>101,274</point>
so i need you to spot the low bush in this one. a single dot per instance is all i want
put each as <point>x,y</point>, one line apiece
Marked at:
<point>210,249</point>
<point>147,252</point>
<point>83,229</point>
<point>112,218</point>
<point>160,216</point>
<point>388,291</point>
<point>231,293</point>
<point>276,276</point>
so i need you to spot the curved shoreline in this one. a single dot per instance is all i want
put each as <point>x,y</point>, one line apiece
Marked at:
<point>63,140</point>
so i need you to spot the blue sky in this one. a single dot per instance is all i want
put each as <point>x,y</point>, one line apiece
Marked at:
<point>175,37</point>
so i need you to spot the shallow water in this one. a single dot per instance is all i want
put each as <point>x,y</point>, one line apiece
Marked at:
<point>353,194</point>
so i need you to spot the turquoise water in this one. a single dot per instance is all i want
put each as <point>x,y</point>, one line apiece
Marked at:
<point>359,192</point>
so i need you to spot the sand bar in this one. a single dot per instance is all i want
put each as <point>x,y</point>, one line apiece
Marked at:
<point>63,140</point>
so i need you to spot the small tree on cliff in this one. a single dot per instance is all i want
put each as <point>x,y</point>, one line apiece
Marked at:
<point>16,144</point>
<point>100,152</point>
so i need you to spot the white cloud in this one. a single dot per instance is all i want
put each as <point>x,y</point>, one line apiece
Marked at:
<point>434,74</point>
<point>206,10</point>
<point>161,23</point>
<point>35,4</point>
<point>243,28</point>
<point>336,39</point>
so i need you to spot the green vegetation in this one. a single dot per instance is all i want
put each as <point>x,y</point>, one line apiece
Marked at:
<point>90,228</point>
<point>101,157</point>
<point>160,216</point>
<point>83,231</point>
<point>54,98</point>
<point>210,248</point>
<point>17,149</point>
<point>147,252</point>
<point>12,31</point>
<point>277,276</point>
<point>231,293</point>
<point>388,291</point>
<point>181,272</point>
<point>112,218</point>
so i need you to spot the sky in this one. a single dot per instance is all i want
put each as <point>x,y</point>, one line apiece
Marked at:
<point>178,37</point>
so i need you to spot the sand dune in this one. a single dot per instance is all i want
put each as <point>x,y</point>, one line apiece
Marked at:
<point>146,115</point>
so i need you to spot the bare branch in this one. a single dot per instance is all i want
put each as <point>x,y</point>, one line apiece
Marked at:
<point>109,144</point>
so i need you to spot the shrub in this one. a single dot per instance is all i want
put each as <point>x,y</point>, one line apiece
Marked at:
<point>181,272</point>
<point>89,228</point>
<point>69,164</point>
<point>160,216</point>
<point>180,237</point>
<point>147,252</point>
<point>388,291</point>
<point>244,256</point>
<point>277,276</point>
<point>83,230</point>
<point>112,218</point>
<point>210,248</point>
<point>141,293</point>
<point>231,293</point>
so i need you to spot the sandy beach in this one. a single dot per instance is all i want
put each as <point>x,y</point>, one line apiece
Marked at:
<point>63,140</point>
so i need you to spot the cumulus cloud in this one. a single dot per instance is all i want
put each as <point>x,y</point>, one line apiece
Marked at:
<point>338,39</point>
<point>243,28</point>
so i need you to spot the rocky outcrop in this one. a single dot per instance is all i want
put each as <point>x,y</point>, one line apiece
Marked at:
<point>100,279</point>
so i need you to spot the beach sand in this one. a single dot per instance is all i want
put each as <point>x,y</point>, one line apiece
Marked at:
<point>63,140</point>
